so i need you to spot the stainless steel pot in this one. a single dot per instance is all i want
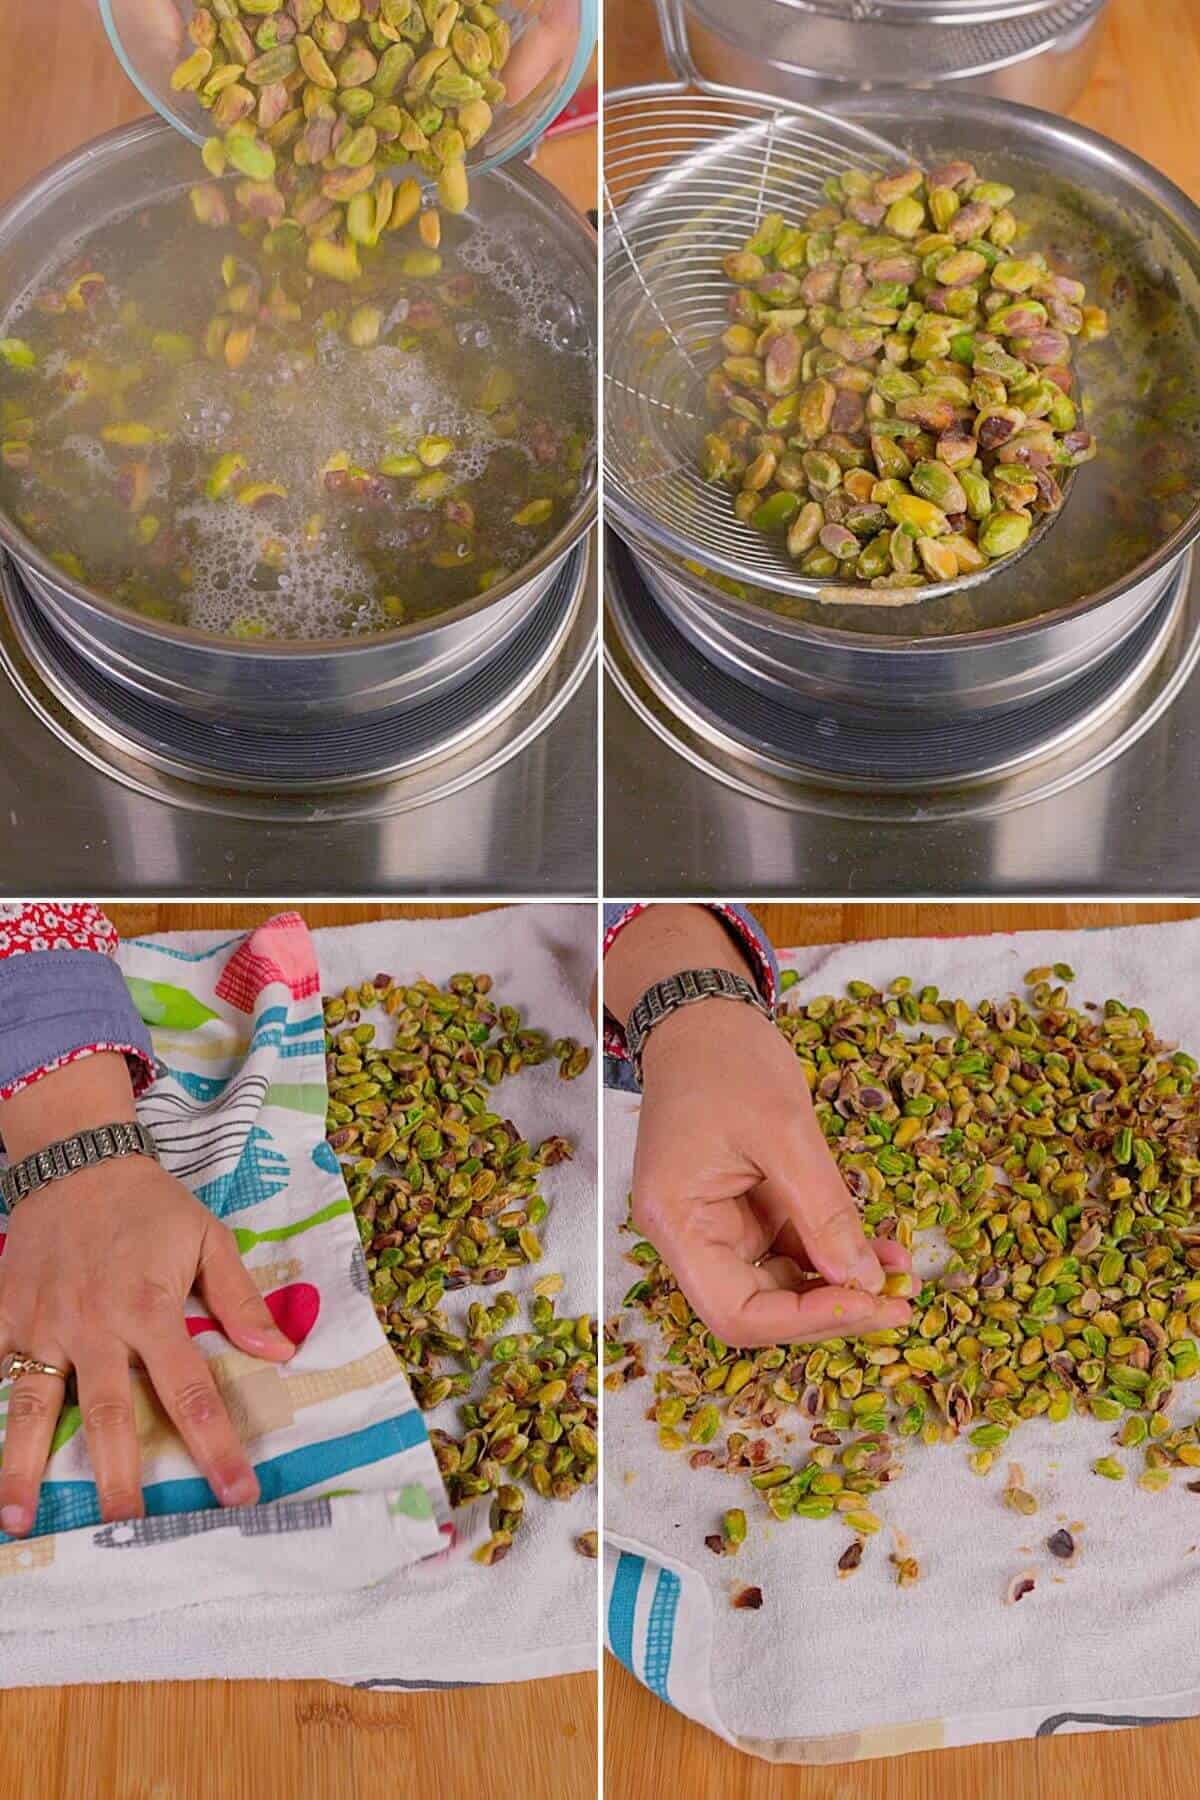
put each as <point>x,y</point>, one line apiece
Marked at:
<point>1032,628</point>
<point>1036,52</point>
<point>283,685</point>
<point>984,674</point>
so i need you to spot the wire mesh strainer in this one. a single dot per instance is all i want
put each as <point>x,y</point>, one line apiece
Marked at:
<point>688,176</point>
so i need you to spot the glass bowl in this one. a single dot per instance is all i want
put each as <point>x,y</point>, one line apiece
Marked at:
<point>149,37</point>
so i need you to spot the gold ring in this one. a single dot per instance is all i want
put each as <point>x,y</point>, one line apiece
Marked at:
<point>14,1366</point>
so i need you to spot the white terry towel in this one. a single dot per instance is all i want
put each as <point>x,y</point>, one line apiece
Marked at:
<point>831,1670</point>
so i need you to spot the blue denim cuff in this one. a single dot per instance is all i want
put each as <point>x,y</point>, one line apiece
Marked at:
<point>56,1001</point>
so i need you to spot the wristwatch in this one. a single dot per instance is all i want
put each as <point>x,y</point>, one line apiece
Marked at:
<point>665,997</point>
<point>125,1138</point>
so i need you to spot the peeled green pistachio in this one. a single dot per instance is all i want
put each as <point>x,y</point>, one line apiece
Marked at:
<point>1060,1283</point>
<point>891,337</point>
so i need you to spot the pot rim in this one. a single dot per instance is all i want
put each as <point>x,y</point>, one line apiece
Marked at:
<point>938,12</point>
<point>900,108</point>
<point>1052,18</point>
<point>24,551</point>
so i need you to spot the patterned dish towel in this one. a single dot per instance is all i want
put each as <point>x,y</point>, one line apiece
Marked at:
<point>366,1603</point>
<point>335,1436</point>
<point>830,1671</point>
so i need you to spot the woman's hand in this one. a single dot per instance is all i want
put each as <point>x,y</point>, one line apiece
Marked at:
<point>93,1278</point>
<point>735,1186</point>
<point>544,48</point>
<point>733,1182</point>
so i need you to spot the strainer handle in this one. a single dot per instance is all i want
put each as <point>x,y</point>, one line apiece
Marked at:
<point>672,26</point>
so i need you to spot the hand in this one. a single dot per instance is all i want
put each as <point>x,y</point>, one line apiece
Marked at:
<point>162,24</point>
<point>738,1191</point>
<point>93,1278</point>
<point>545,47</point>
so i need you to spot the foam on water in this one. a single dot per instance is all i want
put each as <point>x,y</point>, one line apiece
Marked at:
<point>509,262</point>
<point>314,589</point>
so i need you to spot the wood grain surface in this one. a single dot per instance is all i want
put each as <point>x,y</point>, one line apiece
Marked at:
<point>649,1748</point>
<point>301,1740</point>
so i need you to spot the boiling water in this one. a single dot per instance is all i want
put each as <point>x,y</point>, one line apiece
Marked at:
<point>488,353</point>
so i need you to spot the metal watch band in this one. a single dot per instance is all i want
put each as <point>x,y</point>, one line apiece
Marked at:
<point>684,989</point>
<point>124,1138</point>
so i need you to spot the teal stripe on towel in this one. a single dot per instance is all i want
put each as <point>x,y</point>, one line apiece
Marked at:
<point>193,956</point>
<point>622,1606</point>
<point>660,1632</point>
<point>73,1505</point>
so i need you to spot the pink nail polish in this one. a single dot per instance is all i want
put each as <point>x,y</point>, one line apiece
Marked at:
<point>14,1520</point>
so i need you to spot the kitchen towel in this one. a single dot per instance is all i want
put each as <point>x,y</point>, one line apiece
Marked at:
<point>831,1670</point>
<point>409,1621</point>
<point>238,1114</point>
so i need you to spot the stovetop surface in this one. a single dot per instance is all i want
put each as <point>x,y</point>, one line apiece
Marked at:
<point>80,818</point>
<point>1119,814</point>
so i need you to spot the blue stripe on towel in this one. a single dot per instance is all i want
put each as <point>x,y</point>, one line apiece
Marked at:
<point>660,1632</point>
<point>302,1027</point>
<point>192,956</point>
<point>622,1606</point>
<point>70,1505</point>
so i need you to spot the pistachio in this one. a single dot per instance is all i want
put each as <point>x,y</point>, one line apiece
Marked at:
<point>338,262</point>
<point>448,1175</point>
<point>1004,532</point>
<point>537,512</point>
<point>864,326</point>
<point>224,473</point>
<point>364,327</point>
<point>255,493</point>
<point>191,73</point>
<point>249,155</point>
<point>322,86</point>
<point>1011,1128</point>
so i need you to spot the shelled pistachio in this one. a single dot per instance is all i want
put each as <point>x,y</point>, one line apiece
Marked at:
<point>313,104</point>
<point>445,1195</point>
<point>1057,1155</point>
<point>898,400</point>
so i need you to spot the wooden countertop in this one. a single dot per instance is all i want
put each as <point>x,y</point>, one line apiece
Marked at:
<point>649,1748</point>
<point>296,1740</point>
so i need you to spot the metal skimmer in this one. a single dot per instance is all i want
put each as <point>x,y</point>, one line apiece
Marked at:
<point>687,177</point>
